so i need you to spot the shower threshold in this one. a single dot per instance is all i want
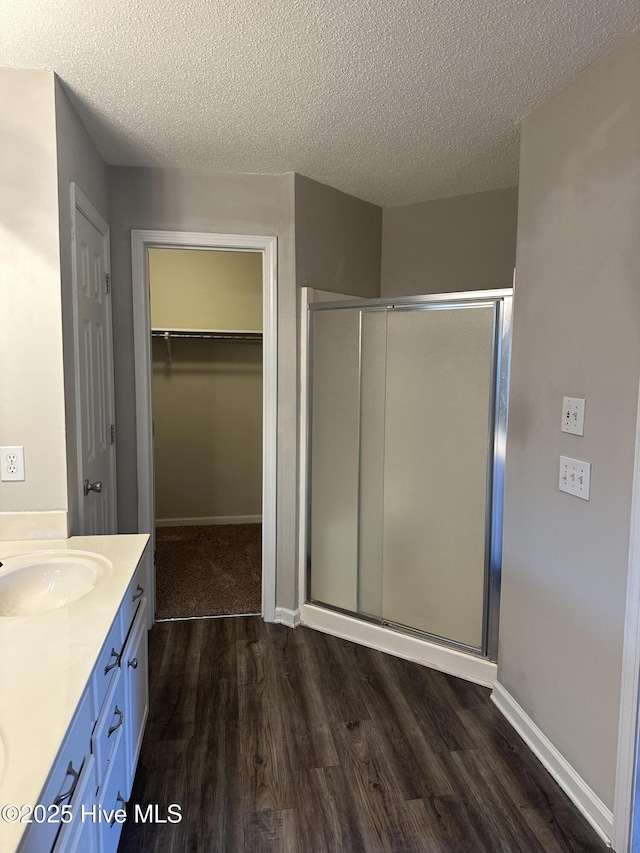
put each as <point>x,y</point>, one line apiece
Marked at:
<point>402,642</point>
<point>432,638</point>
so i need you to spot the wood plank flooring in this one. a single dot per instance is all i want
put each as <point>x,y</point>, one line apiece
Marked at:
<point>278,740</point>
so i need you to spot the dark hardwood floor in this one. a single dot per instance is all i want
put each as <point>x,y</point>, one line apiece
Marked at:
<point>273,739</point>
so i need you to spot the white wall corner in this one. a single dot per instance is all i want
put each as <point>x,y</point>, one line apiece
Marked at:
<point>582,796</point>
<point>285,616</point>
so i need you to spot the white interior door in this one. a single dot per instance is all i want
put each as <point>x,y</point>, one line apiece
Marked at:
<point>94,375</point>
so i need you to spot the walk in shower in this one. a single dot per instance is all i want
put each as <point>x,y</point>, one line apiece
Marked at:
<point>407,425</point>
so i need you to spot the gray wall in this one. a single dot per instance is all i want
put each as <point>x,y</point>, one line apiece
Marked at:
<point>208,403</point>
<point>31,379</point>
<point>576,332</point>
<point>207,399</point>
<point>337,240</point>
<point>325,238</point>
<point>79,161</point>
<point>179,200</point>
<point>467,242</point>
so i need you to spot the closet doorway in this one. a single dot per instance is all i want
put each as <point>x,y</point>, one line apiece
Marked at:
<point>206,416</point>
<point>206,390</point>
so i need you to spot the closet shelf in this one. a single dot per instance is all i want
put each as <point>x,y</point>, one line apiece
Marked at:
<point>208,334</point>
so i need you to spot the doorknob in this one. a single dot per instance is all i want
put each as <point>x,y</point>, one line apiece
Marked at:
<point>92,487</point>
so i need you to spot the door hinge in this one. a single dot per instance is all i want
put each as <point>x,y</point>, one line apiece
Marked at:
<point>107,283</point>
<point>112,433</point>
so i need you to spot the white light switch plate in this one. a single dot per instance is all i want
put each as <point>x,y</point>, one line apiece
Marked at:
<point>573,415</point>
<point>575,477</point>
<point>11,463</point>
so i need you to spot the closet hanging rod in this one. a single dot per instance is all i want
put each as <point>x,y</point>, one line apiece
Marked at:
<point>167,334</point>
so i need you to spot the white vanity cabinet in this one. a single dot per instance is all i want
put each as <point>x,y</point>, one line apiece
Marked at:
<point>81,836</point>
<point>135,668</point>
<point>70,768</point>
<point>126,725</point>
<point>111,801</point>
<point>93,773</point>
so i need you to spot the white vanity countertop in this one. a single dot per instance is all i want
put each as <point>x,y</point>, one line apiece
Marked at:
<point>45,664</point>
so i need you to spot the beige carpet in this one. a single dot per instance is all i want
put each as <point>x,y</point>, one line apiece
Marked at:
<point>208,570</point>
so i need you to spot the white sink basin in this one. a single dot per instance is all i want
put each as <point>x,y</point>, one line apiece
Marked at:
<point>46,580</point>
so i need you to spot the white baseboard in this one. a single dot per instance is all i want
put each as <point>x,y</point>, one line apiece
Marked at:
<point>463,665</point>
<point>213,519</point>
<point>583,797</point>
<point>284,616</point>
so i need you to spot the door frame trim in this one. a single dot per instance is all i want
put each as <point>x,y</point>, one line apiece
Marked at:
<point>628,758</point>
<point>141,241</point>
<point>79,202</point>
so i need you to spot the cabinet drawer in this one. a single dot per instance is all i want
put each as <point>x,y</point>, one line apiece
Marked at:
<point>108,665</point>
<point>63,779</point>
<point>110,723</point>
<point>83,840</point>
<point>111,797</point>
<point>135,671</point>
<point>80,836</point>
<point>133,596</point>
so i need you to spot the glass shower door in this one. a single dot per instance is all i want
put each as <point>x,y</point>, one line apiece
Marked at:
<point>438,424</point>
<point>334,463</point>
<point>403,487</point>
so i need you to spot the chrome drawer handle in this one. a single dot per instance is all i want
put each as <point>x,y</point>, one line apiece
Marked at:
<point>67,796</point>
<point>117,656</point>
<point>119,799</point>
<point>133,663</point>
<point>115,727</point>
<point>139,592</point>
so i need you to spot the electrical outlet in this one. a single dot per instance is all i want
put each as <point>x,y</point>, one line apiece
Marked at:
<point>11,463</point>
<point>573,415</point>
<point>575,477</point>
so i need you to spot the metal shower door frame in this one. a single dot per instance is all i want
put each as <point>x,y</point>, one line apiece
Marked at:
<point>501,300</point>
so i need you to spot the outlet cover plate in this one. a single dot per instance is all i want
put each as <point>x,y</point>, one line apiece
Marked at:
<point>575,477</point>
<point>11,464</point>
<point>573,415</point>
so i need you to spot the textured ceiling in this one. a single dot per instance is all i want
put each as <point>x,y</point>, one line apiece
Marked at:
<point>393,102</point>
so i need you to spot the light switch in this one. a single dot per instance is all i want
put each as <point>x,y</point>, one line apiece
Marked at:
<point>575,477</point>
<point>573,415</point>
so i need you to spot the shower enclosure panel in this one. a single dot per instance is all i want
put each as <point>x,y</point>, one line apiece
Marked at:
<point>407,430</point>
<point>334,458</point>
<point>438,414</point>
